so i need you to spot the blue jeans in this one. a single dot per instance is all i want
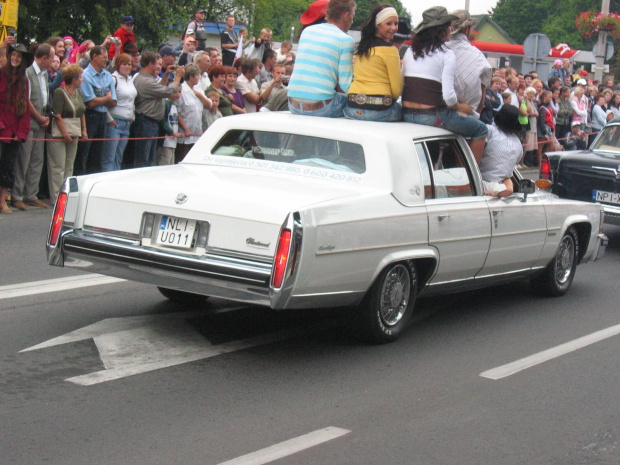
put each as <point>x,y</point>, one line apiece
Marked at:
<point>112,156</point>
<point>393,113</point>
<point>145,149</point>
<point>333,109</point>
<point>452,121</point>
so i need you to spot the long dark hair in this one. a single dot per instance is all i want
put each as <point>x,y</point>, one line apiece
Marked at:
<point>16,84</point>
<point>369,31</point>
<point>429,40</point>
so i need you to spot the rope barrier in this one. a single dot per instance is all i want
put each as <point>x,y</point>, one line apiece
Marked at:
<point>9,139</point>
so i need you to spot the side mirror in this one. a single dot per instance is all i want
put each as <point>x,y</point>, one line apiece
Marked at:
<point>526,186</point>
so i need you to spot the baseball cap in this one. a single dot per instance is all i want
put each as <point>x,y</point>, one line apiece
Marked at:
<point>575,123</point>
<point>316,10</point>
<point>582,82</point>
<point>128,19</point>
<point>166,50</point>
<point>200,10</point>
<point>558,62</point>
<point>583,72</point>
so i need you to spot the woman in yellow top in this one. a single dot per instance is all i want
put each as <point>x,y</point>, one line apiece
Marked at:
<point>377,78</point>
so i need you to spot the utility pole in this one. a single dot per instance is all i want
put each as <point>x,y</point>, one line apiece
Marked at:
<point>601,47</point>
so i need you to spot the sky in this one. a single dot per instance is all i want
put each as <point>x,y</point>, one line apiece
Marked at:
<point>416,7</point>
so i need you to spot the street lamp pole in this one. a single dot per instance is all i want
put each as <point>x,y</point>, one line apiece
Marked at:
<point>601,47</point>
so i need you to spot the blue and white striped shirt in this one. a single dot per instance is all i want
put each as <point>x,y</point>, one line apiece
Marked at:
<point>324,60</point>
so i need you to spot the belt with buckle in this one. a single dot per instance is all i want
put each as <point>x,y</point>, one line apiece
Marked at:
<point>309,106</point>
<point>363,99</point>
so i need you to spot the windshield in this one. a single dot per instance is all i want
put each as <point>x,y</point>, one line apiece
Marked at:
<point>609,141</point>
<point>292,148</point>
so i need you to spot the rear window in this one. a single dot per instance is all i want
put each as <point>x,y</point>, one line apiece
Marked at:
<point>609,141</point>
<point>295,149</point>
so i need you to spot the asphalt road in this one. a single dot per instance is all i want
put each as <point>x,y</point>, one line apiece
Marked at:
<point>112,373</point>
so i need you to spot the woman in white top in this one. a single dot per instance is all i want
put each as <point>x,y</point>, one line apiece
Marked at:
<point>429,97</point>
<point>121,116</point>
<point>190,108</point>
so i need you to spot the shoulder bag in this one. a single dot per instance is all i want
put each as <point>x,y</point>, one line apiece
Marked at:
<point>72,125</point>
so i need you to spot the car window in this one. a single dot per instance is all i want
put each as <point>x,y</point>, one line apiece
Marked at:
<point>449,169</point>
<point>292,148</point>
<point>426,171</point>
<point>609,140</point>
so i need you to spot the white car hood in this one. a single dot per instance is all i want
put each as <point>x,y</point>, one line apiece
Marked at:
<point>238,203</point>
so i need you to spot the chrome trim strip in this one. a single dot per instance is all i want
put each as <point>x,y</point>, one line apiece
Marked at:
<point>111,232</point>
<point>376,247</point>
<point>94,246</point>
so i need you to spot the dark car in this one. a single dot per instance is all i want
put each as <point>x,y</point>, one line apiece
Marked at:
<point>591,175</point>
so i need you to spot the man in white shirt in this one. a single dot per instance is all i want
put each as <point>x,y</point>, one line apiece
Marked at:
<point>473,71</point>
<point>202,60</point>
<point>246,83</point>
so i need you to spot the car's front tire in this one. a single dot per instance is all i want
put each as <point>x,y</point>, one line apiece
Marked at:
<point>558,276</point>
<point>182,297</point>
<point>387,308</point>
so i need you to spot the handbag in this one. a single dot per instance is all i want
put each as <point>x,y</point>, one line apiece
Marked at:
<point>72,125</point>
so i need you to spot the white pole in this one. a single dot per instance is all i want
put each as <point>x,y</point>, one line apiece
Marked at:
<point>601,47</point>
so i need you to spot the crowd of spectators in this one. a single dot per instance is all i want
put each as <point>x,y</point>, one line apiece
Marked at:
<point>70,108</point>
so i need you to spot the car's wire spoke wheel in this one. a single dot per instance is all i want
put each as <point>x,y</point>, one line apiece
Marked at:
<point>394,296</point>
<point>557,277</point>
<point>565,259</point>
<point>388,306</point>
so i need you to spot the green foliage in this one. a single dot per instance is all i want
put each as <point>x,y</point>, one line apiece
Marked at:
<point>156,19</point>
<point>555,18</point>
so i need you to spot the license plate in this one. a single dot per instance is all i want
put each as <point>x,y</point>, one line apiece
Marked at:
<point>176,232</point>
<point>607,197</point>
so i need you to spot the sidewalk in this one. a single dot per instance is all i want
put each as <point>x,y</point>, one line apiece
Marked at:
<point>529,173</point>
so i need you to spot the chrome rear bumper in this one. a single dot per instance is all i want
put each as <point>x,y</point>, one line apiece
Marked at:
<point>227,277</point>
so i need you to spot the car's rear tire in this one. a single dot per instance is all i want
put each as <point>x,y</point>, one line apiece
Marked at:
<point>182,297</point>
<point>558,276</point>
<point>387,308</point>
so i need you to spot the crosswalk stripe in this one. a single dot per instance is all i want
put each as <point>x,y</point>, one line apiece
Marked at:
<point>55,285</point>
<point>289,447</point>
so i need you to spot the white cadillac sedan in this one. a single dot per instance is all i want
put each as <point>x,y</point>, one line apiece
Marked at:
<point>291,211</point>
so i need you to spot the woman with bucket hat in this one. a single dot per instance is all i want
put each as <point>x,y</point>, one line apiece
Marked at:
<point>428,96</point>
<point>14,115</point>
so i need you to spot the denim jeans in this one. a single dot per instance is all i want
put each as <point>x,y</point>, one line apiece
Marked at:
<point>145,149</point>
<point>113,149</point>
<point>391,114</point>
<point>333,109</point>
<point>452,121</point>
<point>88,157</point>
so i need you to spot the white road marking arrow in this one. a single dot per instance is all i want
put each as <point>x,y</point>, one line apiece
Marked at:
<point>133,345</point>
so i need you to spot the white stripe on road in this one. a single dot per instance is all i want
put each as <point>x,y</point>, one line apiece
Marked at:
<point>549,354</point>
<point>55,285</point>
<point>292,446</point>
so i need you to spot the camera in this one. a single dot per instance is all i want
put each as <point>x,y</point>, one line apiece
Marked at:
<point>116,40</point>
<point>13,33</point>
<point>285,80</point>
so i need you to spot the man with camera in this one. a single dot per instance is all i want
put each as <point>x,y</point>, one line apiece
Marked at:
<point>273,93</point>
<point>123,35</point>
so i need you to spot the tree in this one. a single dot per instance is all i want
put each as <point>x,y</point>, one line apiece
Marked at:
<point>94,19</point>
<point>555,18</point>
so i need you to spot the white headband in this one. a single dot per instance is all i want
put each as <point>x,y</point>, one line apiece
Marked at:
<point>385,14</point>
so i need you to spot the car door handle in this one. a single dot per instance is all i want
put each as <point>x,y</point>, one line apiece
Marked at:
<point>497,212</point>
<point>442,217</point>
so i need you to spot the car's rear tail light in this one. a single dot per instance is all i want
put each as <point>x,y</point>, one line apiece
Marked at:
<point>545,169</point>
<point>281,259</point>
<point>58,218</point>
